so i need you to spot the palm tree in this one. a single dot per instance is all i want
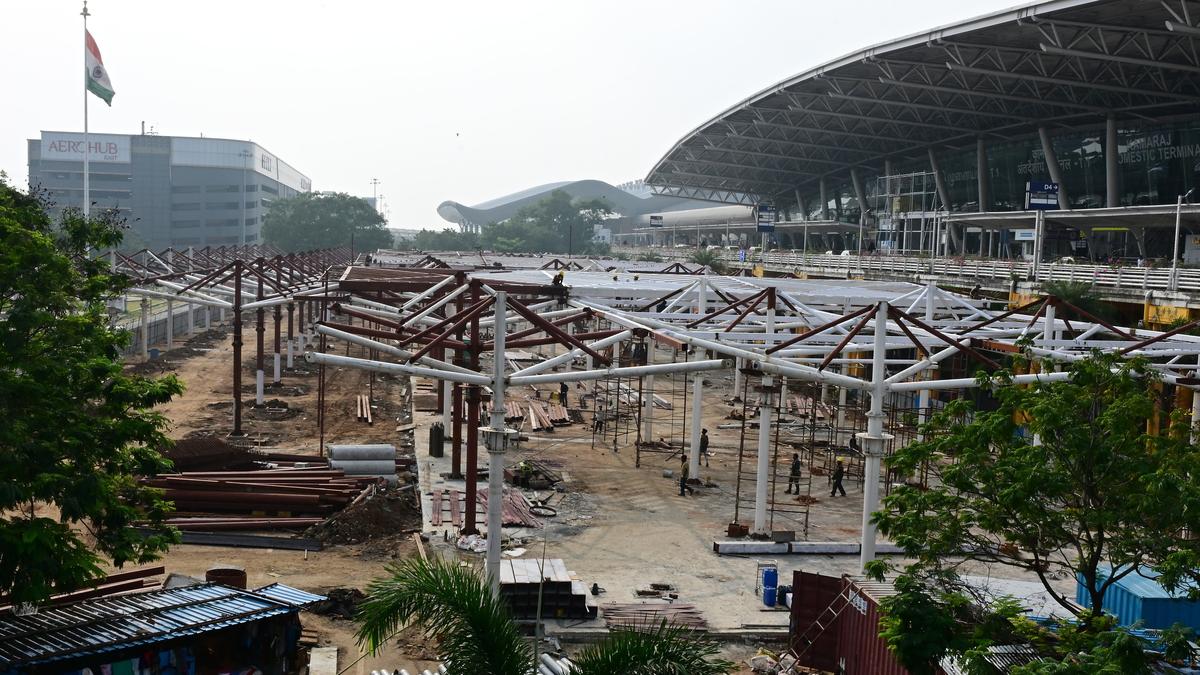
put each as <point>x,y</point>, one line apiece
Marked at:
<point>475,634</point>
<point>710,259</point>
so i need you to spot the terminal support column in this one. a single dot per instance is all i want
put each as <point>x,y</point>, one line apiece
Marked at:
<point>1112,187</point>
<point>981,174</point>
<point>1053,167</point>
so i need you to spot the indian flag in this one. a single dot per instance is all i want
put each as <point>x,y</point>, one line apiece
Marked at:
<point>97,74</point>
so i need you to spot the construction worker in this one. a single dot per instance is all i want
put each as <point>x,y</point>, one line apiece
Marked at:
<point>794,476</point>
<point>684,475</point>
<point>704,445</point>
<point>563,390</point>
<point>838,474</point>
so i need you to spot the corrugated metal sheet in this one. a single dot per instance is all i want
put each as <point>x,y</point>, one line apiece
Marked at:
<point>811,594</point>
<point>103,625</point>
<point>859,646</point>
<point>1139,597</point>
<point>289,596</point>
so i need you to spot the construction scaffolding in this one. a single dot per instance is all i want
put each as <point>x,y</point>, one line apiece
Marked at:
<point>909,215</point>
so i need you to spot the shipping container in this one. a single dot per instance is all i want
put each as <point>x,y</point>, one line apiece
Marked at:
<point>1139,597</point>
<point>850,641</point>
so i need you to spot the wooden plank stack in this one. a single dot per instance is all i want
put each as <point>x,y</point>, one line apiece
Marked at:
<point>652,614</point>
<point>364,409</point>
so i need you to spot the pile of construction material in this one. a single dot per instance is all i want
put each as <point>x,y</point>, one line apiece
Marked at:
<point>370,461</point>
<point>563,597</point>
<point>266,499</point>
<point>643,615</point>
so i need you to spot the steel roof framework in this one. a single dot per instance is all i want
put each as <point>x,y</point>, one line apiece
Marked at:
<point>1058,63</point>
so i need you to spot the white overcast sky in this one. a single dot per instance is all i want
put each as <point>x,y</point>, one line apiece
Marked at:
<point>437,99</point>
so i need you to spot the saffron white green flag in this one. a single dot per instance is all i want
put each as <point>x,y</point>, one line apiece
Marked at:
<point>97,75</point>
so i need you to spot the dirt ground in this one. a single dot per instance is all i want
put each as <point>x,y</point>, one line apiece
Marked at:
<point>619,526</point>
<point>204,364</point>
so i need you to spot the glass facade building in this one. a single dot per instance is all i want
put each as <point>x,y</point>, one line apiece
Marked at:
<point>172,190</point>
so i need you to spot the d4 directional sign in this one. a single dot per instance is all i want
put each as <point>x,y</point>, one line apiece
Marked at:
<point>1040,195</point>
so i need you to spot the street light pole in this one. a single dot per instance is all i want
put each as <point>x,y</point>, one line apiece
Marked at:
<point>1175,250</point>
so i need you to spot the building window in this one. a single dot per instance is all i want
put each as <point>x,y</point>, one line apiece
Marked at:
<point>251,205</point>
<point>185,189</point>
<point>181,224</point>
<point>270,189</point>
<point>186,206</point>
<point>221,222</point>
<point>220,188</point>
<point>221,206</point>
<point>251,188</point>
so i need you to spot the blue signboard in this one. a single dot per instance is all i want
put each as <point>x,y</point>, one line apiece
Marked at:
<point>1040,195</point>
<point>766,217</point>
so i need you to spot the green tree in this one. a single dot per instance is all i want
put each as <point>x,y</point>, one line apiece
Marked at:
<point>1061,479</point>
<point>77,431</point>
<point>445,240</point>
<point>710,259</point>
<point>316,220</point>
<point>649,256</point>
<point>556,224</point>
<point>455,606</point>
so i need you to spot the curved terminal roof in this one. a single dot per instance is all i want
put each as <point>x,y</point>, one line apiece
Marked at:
<point>1061,63</point>
<point>620,201</point>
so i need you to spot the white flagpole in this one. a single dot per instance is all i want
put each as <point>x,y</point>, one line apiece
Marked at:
<point>87,198</point>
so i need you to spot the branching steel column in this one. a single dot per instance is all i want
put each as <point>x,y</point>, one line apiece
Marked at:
<point>765,414</point>
<point>237,348</point>
<point>874,439</point>
<point>496,454</point>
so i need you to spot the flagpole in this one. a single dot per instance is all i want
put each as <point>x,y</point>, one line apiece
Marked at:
<point>87,198</point>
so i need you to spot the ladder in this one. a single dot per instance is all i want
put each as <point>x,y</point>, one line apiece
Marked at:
<point>823,621</point>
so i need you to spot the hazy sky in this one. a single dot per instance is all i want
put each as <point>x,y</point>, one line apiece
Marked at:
<point>439,100</point>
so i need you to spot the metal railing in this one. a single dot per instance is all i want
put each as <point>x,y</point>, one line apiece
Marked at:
<point>961,270</point>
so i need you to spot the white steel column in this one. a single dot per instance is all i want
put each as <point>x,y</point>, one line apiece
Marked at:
<point>170,325</point>
<point>874,439</point>
<point>1112,195</point>
<point>145,328</point>
<point>207,317</point>
<point>697,421</point>
<point>447,405</point>
<point>737,378</point>
<point>496,454</point>
<point>648,410</point>
<point>191,318</point>
<point>765,415</point>
<point>1053,167</point>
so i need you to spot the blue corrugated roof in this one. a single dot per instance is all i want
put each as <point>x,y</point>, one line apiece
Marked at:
<point>101,625</point>
<point>1144,584</point>
<point>288,595</point>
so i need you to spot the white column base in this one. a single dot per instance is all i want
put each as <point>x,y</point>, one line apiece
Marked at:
<point>276,380</point>
<point>289,354</point>
<point>258,387</point>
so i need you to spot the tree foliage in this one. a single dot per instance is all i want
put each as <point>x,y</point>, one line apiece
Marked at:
<point>475,634</point>
<point>710,259</point>
<point>1061,479</point>
<point>556,224</point>
<point>315,220</point>
<point>77,431</point>
<point>445,240</point>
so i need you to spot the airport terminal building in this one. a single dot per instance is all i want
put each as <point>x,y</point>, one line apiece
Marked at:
<point>173,190</point>
<point>928,143</point>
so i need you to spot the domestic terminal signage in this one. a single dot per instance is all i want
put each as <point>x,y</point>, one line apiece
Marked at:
<point>1041,195</point>
<point>766,217</point>
<point>68,147</point>
<point>656,221</point>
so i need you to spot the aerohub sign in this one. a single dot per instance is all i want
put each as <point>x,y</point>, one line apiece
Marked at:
<point>66,147</point>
